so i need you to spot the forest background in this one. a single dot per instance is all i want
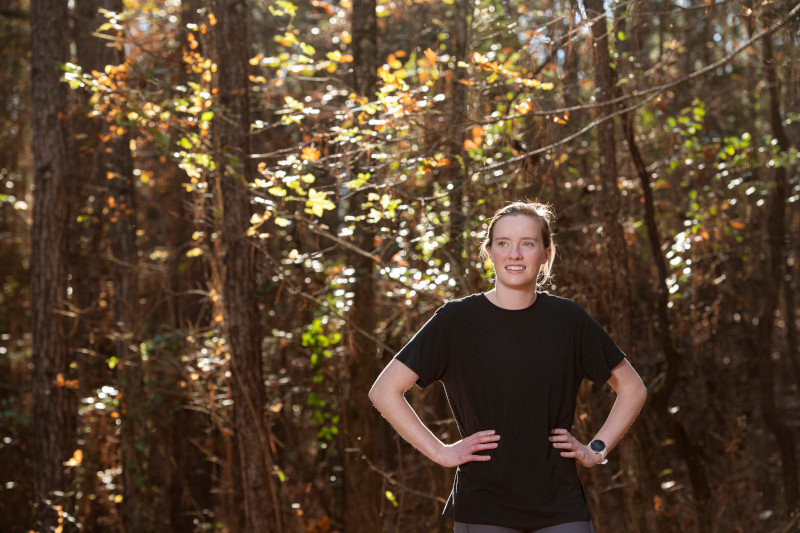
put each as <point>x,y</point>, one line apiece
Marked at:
<point>220,219</point>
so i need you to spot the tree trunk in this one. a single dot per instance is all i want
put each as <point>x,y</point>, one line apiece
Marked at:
<point>90,345</point>
<point>177,464</point>
<point>51,414</point>
<point>763,343</point>
<point>261,510</point>
<point>618,301</point>
<point>363,494</point>
<point>701,491</point>
<point>458,247</point>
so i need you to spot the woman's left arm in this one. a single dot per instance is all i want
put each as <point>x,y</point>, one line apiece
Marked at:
<point>631,395</point>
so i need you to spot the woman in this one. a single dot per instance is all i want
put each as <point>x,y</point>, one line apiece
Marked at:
<point>511,361</point>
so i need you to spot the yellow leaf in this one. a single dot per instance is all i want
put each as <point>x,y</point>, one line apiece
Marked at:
<point>391,498</point>
<point>318,203</point>
<point>194,252</point>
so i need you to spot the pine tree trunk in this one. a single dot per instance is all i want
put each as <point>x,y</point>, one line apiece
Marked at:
<point>261,512</point>
<point>458,246</point>
<point>362,487</point>
<point>51,415</point>
<point>762,345</point>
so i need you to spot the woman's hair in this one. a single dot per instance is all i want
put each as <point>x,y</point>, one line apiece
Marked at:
<point>542,213</point>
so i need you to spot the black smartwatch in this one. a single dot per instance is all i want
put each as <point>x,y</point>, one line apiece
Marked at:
<point>599,447</point>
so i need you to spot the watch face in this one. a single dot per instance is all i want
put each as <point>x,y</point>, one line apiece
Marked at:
<point>597,445</point>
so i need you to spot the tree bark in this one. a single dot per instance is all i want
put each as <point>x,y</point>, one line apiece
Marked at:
<point>763,345</point>
<point>363,493</point>
<point>673,357</point>
<point>618,299</point>
<point>261,510</point>
<point>458,245</point>
<point>51,416</point>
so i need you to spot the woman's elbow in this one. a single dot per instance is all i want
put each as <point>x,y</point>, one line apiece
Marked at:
<point>377,392</point>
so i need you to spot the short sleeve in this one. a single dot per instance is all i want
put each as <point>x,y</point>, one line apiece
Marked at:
<point>428,352</point>
<point>598,352</point>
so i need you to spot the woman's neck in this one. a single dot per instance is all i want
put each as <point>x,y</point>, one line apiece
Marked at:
<point>510,298</point>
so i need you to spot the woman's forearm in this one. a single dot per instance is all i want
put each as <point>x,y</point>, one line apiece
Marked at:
<point>631,395</point>
<point>387,395</point>
<point>397,411</point>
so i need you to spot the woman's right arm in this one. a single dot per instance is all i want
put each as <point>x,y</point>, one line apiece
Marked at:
<point>387,394</point>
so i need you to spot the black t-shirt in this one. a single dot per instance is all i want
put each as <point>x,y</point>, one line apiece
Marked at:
<point>517,372</point>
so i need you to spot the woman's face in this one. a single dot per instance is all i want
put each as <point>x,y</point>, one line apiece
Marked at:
<point>517,252</point>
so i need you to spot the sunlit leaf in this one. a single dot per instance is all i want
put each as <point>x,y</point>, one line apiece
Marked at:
<point>76,458</point>
<point>309,153</point>
<point>431,56</point>
<point>391,497</point>
<point>317,203</point>
<point>523,107</point>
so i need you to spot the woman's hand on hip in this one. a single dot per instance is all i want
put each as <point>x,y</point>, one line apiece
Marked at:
<point>572,448</point>
<point>467,448</point>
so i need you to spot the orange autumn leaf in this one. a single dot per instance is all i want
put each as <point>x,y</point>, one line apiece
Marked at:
<point>256,60</point>
<point>347,58</point>
<point>561,120</point>
<point>469,144</point>
<point>76,458</point>
<point>737,225</point>
<point>430,55</point>
<point>66,383</point>
<point>524,107</point>
<point>309,154</point>
<point>478,134</point>
<point>212,19</point>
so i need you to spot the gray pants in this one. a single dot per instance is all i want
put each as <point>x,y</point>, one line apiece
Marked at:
<point>570,527</point>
